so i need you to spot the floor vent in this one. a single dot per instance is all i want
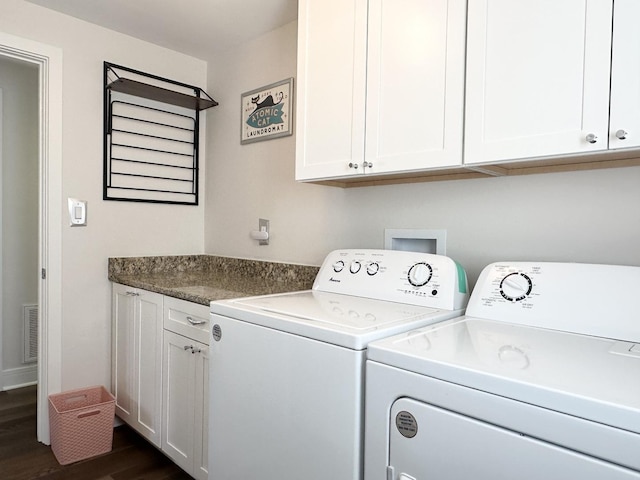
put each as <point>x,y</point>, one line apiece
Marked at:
<point>30,333</point>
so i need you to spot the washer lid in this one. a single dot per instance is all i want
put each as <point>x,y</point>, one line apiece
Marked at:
<point>343,320</point>
<point>589,377</point>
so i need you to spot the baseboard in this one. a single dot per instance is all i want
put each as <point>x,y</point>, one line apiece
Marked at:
<point>19,377</point>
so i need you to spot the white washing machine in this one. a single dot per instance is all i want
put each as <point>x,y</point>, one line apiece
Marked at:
<point>539,381</point>
<point>287,370</point>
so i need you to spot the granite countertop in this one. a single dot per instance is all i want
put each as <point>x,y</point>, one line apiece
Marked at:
<point>205,278</point>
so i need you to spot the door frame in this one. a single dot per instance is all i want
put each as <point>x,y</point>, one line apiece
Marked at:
<point>1,240</point>
<point>49,62</point>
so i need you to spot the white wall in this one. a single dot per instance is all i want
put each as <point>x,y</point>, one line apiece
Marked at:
<point>19,82</point>
<point>247,182</point>
<point>590,217</point>
<point>114,228</point>
<point>579,216</point>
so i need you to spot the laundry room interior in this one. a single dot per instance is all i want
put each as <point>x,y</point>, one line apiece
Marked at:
<point>461,120</point>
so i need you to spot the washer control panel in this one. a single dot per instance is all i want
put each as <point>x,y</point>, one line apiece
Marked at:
<point>573,297</point>
<point>408,277</point>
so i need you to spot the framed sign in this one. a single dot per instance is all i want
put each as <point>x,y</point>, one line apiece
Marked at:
<point>267,112</point>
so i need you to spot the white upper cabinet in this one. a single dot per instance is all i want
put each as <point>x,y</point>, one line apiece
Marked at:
<point>624,123</point>
<point>332,36</point>
<point>415,84</point>
<point>380,86</point>
<point>537,78</point>
<point>407,87</point>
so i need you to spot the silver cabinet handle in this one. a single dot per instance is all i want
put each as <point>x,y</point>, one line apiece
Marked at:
<point>367,164</point>
<point>591,138</point>
<point>195,322</point>
<point>187,347</point>
<point>353,165</point>
<point>132,294</point>
<point>621,134</point>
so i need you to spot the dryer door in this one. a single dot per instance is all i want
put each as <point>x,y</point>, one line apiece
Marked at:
<point>428,442</point>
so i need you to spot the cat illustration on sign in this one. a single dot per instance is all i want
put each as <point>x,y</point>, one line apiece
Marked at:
<point>267,102</point>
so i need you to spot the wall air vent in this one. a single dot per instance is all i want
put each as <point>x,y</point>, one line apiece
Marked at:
<point>30,333</point>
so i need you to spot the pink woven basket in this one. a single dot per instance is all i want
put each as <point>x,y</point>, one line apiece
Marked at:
<point>81,423</point>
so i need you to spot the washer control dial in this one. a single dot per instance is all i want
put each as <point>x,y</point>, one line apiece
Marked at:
<point>373,268</point>
<point>355,266</point>
<point>515,287</point>
<point>420,274</point>
<point>338,266</point>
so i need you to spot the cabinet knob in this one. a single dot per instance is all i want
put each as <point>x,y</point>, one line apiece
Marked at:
<point>591,138</point>
<point>367,164</point>
<point>621,134</point>
<point>353,165</point>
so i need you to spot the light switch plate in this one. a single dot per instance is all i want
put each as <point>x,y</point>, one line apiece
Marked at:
<point>77,212</point>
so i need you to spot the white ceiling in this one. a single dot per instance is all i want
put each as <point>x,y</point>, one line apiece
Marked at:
<point>194,27</point>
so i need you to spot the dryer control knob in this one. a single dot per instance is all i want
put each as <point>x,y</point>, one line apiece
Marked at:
<point>355,266</point>
<point>515,287</point>
<point>420,274</point>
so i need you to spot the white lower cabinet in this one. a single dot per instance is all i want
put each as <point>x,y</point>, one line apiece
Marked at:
<point>160,373</point>
<point>185,386</point>
<point>137,359</point>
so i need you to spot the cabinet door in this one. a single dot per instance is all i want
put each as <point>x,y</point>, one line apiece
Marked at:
<point>201,410</point>
<point>148,321</point>
<point>624,123</point>
<point>330,88</point>
<point>415,84</point>
<point>122,356</point>
<point>178,387</point>
<point>137,357</point>
<point>537,78</point>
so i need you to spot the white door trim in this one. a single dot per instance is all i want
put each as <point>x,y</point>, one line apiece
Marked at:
<point>1,294</point>
<point>49,61</point>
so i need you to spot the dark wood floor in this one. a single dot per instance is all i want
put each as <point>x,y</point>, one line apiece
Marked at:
<point>22,457</point>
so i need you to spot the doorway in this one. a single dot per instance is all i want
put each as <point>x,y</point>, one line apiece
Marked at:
<point>19,224</point>
<point>48,62</point>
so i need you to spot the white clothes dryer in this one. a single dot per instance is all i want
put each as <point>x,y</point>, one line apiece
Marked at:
<point>540,380</point>
<point>287,370</point>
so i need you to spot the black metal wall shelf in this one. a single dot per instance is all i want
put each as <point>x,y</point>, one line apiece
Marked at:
<point>144,90</point>
<point>151,137</point>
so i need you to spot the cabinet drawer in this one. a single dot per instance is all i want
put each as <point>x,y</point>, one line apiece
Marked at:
<point>187,318</point>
